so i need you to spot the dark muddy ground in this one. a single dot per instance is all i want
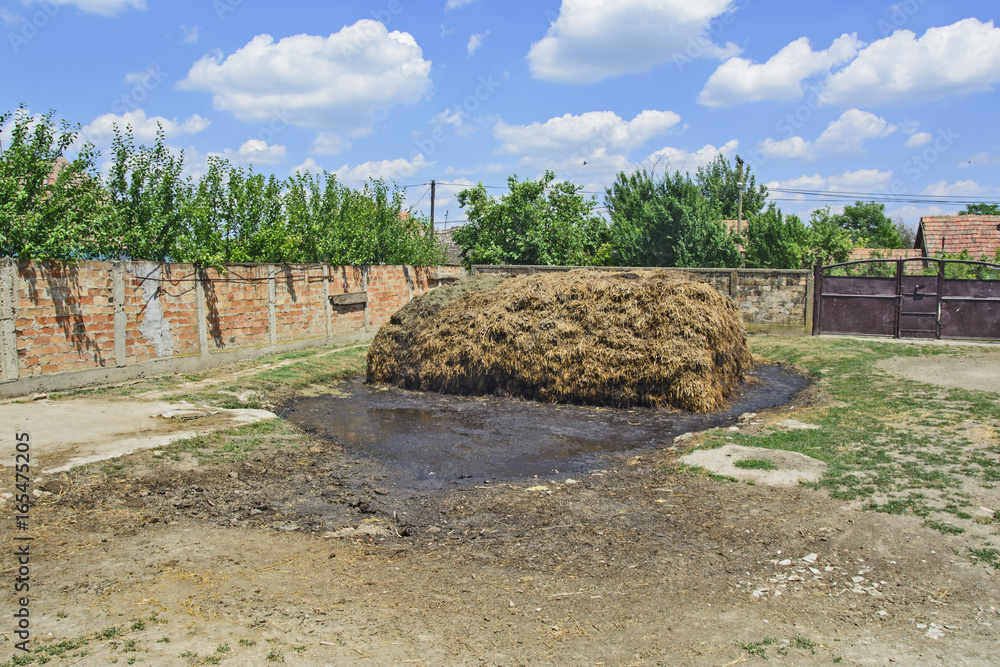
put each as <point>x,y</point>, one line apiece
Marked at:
<point>428,439</point>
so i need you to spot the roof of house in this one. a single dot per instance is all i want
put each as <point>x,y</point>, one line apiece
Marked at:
<point>951,234</point>
<point>885,253</point>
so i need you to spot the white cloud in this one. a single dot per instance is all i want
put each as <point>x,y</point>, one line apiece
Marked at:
<point>450,121</point>
<point>957,59</point>
<point>919,139</point>
<point>456,4</point>
<point>791,148</point>
<point>254,152</point>
<point>594,39</point>
<point>476,41</point>
<point>389,170</point>
<point>585,135</point>
<point>190,34</point>
<point>309,165</point>
<point>966,188</point>
<point>329,143</point>
<point>677,159</point>
<point>336,83</point>
<point>739,80</point>
<point>105,7</point>
<point>101,130</point>
<point>848,133</point>
<point>861,180</point>
<point>11,19</point>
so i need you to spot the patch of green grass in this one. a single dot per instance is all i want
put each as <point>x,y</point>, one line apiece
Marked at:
<point>275,656</point>
<point>248,642</point>
<point>317,369</point>
<point>804,643</point>
<point>988,556</point>
<point>755,464</point>
<point>944,527</point>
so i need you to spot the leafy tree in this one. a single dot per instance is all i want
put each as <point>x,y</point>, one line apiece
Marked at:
<point>775,241</point>
<point>907,236</point>
<point>536,222</point>
<point>666,222</point>
<point>719,183</point>
<point>829,242</point>
<point>981,209</point>
<point>868,225</point>
<point>147,189</point>
<point>50,207</point>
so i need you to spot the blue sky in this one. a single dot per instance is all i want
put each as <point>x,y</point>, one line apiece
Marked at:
<point>828,101</point>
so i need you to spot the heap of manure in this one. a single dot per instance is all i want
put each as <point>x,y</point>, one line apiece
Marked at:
<point>642,338</point>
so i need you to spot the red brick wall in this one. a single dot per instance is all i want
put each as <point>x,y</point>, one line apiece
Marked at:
<point>65,317</point>
<point>66,313</point>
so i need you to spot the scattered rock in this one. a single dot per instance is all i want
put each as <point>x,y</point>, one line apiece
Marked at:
<point>796,425</point>
<point>683,437</point>
<point>984,513</point>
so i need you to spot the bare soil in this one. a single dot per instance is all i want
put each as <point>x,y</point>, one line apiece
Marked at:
<point>309,555</point>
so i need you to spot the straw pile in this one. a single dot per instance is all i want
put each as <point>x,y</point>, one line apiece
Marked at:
<point>643,338</point>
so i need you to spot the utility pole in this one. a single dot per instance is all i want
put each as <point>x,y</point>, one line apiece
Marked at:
<point>433,184</point>
<point>739,209</point>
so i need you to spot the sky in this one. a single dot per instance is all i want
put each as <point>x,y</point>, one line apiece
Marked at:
<point>827,102</point>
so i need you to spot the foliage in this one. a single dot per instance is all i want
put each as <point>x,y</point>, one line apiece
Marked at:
<point>666,222</point>
<point>536,222</point>
<point>868,225</point>
<point>50,207</point>
<point>719,183</point>
<point>146,208</point>
<point>775,241</point>
<point>830,243</point>
<point>981,209</point>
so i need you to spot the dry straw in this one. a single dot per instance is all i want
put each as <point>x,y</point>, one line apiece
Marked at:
<point>641,338</point>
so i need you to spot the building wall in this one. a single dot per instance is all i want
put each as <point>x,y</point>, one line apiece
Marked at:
<point>92,321</point>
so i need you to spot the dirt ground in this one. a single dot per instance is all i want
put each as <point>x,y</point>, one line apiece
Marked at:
<point>311,556</point>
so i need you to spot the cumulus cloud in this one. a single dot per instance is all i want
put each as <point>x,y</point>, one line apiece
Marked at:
<point>594,39</point>
<point>105,7</point>
<point>585,134</point>
<point>795,148</point>
<point>966,188</point>
<point>919,139</point>
<point>678,159</point>
<point>848,133</point>
<point>190,34</point>
<point>255,151</point>
<point>101,130</point>
<point>388,170</point>
<point>329,143</point>
<point>310,165</point>
<point>476,41</point>
<point>957,59</point>
<point>739,80</point>
<point>336,83</point>
<point>861,180</point>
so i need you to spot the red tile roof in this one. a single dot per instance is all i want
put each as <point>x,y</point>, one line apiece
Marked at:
<point>951,234</point>
<point>885,253</point>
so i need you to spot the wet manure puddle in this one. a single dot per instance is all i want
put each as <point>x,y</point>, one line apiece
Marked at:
<point>431,439</point>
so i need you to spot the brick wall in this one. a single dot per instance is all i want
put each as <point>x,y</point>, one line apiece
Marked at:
<point>770,300</point>
<point>101,315</point>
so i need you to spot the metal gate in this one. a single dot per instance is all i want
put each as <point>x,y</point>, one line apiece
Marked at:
<point>909,298</point>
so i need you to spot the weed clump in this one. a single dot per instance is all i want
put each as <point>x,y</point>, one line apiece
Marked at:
<point>641,338</point>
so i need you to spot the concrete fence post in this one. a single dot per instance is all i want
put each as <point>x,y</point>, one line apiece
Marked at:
<point>807,326</point>
<point>364,288</point>
<point>272,306</point>
<point>118,298</point>
<point>327,306</point>
<point>202,310</point>
<point>9,288</point>
<point>734,284</point>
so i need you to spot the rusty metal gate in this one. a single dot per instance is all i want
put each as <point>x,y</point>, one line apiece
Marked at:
<point>909,298</point>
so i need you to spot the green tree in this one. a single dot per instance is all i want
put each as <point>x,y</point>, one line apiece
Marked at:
<point>829,242</point>
<point>775,241</point>
<point>868,226</point>
<point>148,192</point>
<point>50,207</point>
<point>719,183</point>
<point>666,222</point>
<point>981,209</point>
<point>536,222</point>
